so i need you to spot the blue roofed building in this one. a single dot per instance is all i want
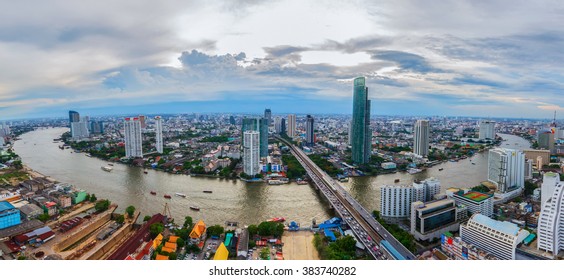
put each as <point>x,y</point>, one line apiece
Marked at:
<point>495,237</point>
<point>329,234</point>
<point>9,215</point>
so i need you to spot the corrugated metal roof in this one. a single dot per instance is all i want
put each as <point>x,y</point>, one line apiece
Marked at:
<point>5,205</point>
<point>505,227</point>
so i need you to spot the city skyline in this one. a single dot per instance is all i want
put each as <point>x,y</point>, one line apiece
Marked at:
<point>477,59</point>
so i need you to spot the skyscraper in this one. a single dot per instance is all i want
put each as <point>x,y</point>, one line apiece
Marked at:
<point>506,169</point>
<point>159,134</point>
<point>251,154</point>
<point>551,219</point>
<point>74,116</point>
<point>545,139</point>
<point>96,127</point>
<point>291,126</point>
<point>310,131</point>
<point>268,116</point>
<point>232,120</point>
<point>361,135</point>
<point>487,130</point>
<point>143,121</point>
<point>283,126</point>
<point>421,138</point>
<point>133,138</point>
<point>263,125</point>
<point>278,125</point>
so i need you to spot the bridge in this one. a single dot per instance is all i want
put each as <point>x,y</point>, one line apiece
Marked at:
<point>367,230</point>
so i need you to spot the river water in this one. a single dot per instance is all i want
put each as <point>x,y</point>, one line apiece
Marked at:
<point>231,200</point>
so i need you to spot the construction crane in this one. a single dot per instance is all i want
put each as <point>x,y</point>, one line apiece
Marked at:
<point>166,212</point>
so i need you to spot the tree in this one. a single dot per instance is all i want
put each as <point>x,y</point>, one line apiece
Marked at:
<point>172,256</point>
<point>43,217</point>
<point>93,198</point>
<point>87,198</point>
<point>265,253</point>
<point>215,230</point>
<point>120,219</point>
<point>130,210</point>
<point>17,164</point>
<point>155,229</point>
<point>253,230</point>
<point>146,218</point>
<point>180,242</point>
<point>102,205</point>
<point>188,222</point>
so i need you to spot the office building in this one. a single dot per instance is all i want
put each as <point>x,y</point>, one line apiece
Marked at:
<point>278,125</point>
<point>430,220</point>
<point>506,169</point>
<point>534,154</point>
<point>310,131</point>
<point>497,238</point>
<point>74,116</point>
<point>475,202</point>
<point>291,126</point>
<point>268,117</point>
<point>421,138</point>
<point>545,140</point>
<point>361,135</point>
<point>551,220</point>
<point>159,134</point>
<point>427,189</point>
<point>487,130</point>
<point>263,126</point>
<point>133,138</point>
<point>283,126</point>
<point>9,215</point>
<point>395,201</point>
<point>251,152</point>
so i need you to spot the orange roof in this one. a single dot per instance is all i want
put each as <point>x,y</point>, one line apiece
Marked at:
<point>169,250</point>
<point>158,240</point>
<point>170,245</point>
<point>198,230</point>
<point>161,257</point>
<point>221,254</point>
<point>173,238</point>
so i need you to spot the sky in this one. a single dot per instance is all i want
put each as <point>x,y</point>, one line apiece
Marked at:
<point>452,58</point>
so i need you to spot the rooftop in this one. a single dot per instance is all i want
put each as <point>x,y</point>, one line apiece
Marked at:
<point>505,227</point>
<point>5,205</point>
<point>474,196</point>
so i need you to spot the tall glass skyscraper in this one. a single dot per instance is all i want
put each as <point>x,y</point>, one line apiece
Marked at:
<point>310,131</point>
<point>268,116</point>
<point>361,135</point>
<point>260,125</point>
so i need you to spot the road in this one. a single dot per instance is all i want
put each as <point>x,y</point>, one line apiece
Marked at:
<point>367,230</point>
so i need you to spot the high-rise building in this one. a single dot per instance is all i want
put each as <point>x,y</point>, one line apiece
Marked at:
<point>74,116</point>
<point>133,138</point>
<point>427,189</point>
<point>430,220</point>
<point>159,134</point>
<point>506,169</point>
<point>421,138</point>
<point>268,116</point>
<point>551,219</point>
<point>278,125</point>
<point>251,153</point>
<point>79,129</point>
<point>310,131</point>
<point>283,126</point>
<point>263,126</point>
<point>143,121</point>
<point>291,126</point>
<point>96,127</point>
<point>395,200</point>
<point>232,120</point>
<point>361,135</point>
<point>545,140</point>
<point>487,130</point>
<point>497,238</point>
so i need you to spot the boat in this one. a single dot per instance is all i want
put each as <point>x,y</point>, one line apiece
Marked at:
<point>275,182</point>
<point>414,171</point>
<point>153,192</point>
<point>474,163</point>
<point>276,220</point>
<point>396,180</point>
<point>167,196</point>
<point>301,182</point>
<point>88,155</point>
<point>180,194</point>
<point>145,172</point>
<point>110,164</point>
<point>208,191</point>
<point>107,168</point>
<point>440,169</point>
<point>195,208</point>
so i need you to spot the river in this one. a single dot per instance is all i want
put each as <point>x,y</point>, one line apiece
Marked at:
<point>231,200</point>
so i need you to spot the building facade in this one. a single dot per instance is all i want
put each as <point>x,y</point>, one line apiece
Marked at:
<point>291,126</point>
<point>545,140</point>
<point>430,220</point>
<point>268,116</point>
<point>79,130</point>
<point>497,238</point>
<point>310,131</point>
<point>421,138</point>
<point>9,215</point>
<point>427,189</point>
<point>506,169</point>
<point>395,202</point>
<point>487,130</point>
<point>551,220</point>
<point>534,154</point>
<point>475,202</point>
<point>361,135</point>
<point>133,138</point>
<point>251,152</point>
<point>159,134</point>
